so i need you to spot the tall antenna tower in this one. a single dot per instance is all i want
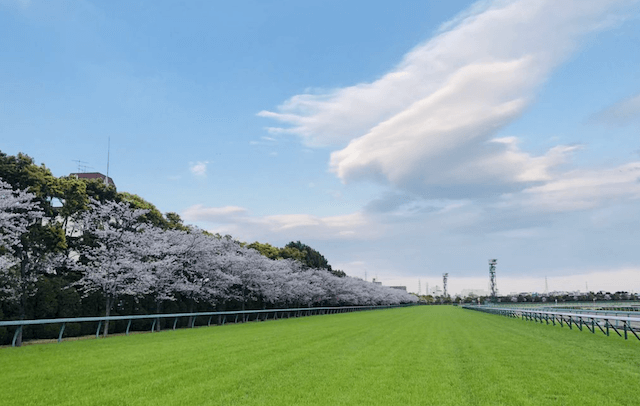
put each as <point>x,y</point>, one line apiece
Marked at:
<point>492,275</point>
<point>445,277</point>
<point>427,288</point>
<point>419,288</point>
<point>546,285</point>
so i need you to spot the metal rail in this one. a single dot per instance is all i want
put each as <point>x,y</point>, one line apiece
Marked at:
<point>223,317</point>
<point>624,325</point>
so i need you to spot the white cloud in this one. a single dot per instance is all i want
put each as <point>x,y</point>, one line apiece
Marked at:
<point>265,141</point>
<point>239,222</point>
<point>427,126</point>
<point>624,112</point>
<point>581,189</point>
<point>199,168</point>
<point>212,214</point>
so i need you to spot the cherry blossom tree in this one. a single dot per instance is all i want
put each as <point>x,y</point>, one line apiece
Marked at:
<point>113,252</point>
<point>198,268</point>
<point>27,247</point>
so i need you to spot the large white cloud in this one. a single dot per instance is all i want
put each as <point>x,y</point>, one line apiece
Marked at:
<point>240,223</point>
<point>427,125</point>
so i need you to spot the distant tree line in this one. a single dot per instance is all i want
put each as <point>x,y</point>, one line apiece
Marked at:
<point>74,247</point>
<point>564,298</point>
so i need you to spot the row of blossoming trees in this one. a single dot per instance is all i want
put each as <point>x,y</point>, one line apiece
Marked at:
<point>115,256</point>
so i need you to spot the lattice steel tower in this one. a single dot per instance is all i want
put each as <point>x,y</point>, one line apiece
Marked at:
<point>492,274</point>
<point>445,277</point>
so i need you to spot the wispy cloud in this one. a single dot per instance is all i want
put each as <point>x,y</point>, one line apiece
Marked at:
<point>199,168</point>
<point>428,125</point>
<point>264,140</point>
<point>19,3</point>
<point>241,223</point>
<point>213,214</point>
<point>582,189</point>
<point>622,113</point>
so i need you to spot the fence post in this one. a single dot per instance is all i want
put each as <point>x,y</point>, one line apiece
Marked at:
<point>15,336</point>
<point>61,332</point>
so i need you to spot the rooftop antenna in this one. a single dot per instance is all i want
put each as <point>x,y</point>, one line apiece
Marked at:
<point>492,275</point>
<point>106,179</point>
<point>445,278</point>
<point>82,165</point>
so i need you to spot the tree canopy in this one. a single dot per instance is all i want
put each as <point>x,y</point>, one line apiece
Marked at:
<point>77,247</point>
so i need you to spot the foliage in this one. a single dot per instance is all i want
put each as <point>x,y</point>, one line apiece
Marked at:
<point>123,256</point>
<point>152,215</point>
<point>112,255</point>
<point>28,246</point>
<point>23,174</point>
<point>298,251</point>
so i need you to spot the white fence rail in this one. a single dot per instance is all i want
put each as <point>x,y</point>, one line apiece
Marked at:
<point>624,326</point>
<point>222,318</point>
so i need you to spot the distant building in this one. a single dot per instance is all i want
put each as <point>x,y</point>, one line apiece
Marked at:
<point>376,282</point>
<point>93,175</point>
<point>474,292</point>
<point>399,287</point>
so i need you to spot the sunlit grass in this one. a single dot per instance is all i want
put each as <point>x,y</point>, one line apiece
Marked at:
<point>412,356</point>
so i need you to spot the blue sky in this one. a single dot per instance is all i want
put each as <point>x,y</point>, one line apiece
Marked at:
<point>404,140</point>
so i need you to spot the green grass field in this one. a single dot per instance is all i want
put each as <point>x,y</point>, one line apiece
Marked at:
<point>412,356</point>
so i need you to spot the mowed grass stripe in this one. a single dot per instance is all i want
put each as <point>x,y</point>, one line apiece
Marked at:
<point>411,356</point>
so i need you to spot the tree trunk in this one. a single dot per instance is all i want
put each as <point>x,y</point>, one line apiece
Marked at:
<point>191,305</point>
<point>221,308</point>
<point>158,310</point>
<point>108,305</point>
<point>22,301</point>
<point>243,305</point>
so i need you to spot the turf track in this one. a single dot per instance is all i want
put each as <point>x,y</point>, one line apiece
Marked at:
<point>411,356</point>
